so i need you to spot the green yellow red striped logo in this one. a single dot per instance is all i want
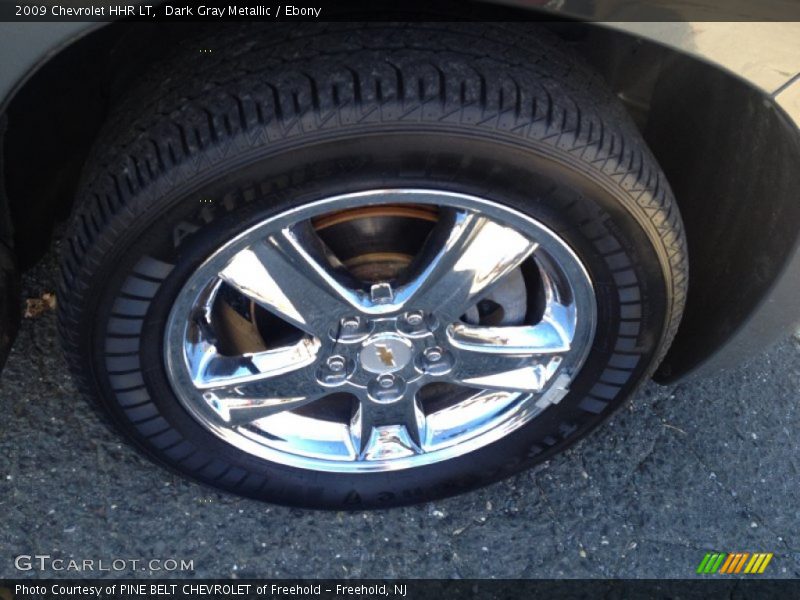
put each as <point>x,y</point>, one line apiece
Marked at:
<point>734,562</point>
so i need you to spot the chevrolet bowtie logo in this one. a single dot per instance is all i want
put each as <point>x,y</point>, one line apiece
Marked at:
<point>385,354</point>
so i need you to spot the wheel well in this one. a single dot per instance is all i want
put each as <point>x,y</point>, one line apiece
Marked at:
<point>727,151</point>
<point>730,155</point>
<point>54,118</point>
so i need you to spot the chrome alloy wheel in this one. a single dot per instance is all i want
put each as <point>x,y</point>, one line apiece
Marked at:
<point>401,369</point>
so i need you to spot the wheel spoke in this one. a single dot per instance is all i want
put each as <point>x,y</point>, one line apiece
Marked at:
<point>382,431</point>
<point>507,358</point>
<point>245,388</point>
<point>546,337</point>
<point>292,274</point>
<point>464,257</point>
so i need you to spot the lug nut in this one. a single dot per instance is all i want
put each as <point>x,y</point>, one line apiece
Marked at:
<point>350,323</point>
<point>386,380</point>
<point>414,318</point>
<point>336,363</point>
<point>433,354</point>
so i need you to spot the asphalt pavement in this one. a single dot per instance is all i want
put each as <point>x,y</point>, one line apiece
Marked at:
<point>710,465</point>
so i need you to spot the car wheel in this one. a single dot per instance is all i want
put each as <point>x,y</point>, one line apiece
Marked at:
<point>360,266</point>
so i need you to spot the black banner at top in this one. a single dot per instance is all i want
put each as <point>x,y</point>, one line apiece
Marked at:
<point>385,10</point>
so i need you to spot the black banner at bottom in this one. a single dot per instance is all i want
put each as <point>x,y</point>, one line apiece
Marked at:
<point>413,589</point>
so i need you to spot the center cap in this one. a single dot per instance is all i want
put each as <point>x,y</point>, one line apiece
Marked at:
<point>385,353</point>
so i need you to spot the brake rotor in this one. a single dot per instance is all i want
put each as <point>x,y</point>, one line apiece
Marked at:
<point>376,243</point>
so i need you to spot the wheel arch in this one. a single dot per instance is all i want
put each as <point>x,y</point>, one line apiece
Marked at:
<point>728,149</point>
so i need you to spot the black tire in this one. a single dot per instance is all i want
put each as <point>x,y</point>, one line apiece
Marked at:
<point>279,117</point>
